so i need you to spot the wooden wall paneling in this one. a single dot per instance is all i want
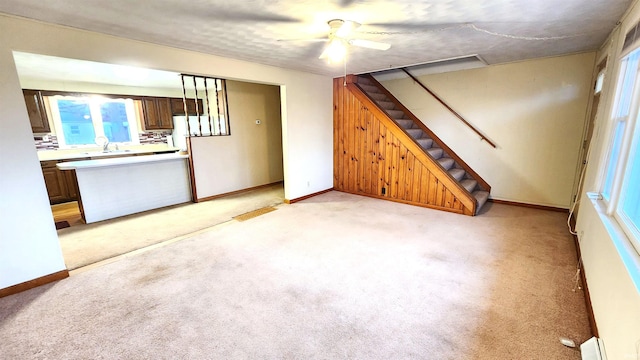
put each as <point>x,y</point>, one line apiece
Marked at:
<point>408,179</point>
<point>395,166</point>
<point>349,134</point>
<point>440,194</point>
<point>424,184</point>
<point>402,169</point>
<point>389,162</point>
<point>369,152</point>
<point>382,154</point>
<point>448,199</point>
<point>375,145</point>
<point>344,164</point>
<point>417,184</point>
<point>343,142</point>
<point>433,191</point>
<point>336,134</point>
<point>362,147</point>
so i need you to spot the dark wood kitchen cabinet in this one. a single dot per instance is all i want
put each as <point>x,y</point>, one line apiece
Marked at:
<point>177,107</point>
<point>62,186</point>
<point>37,113</point>
<point>55,181</point>
<point>157,113</point>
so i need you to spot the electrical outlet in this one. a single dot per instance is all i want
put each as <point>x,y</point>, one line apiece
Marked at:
<point>384,191</point>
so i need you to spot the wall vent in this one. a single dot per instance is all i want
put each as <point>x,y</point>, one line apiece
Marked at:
<point>593,349</point>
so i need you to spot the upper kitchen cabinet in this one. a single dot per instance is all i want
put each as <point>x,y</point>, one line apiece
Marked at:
<point>157,113</point>
<point>177,107</point>
<point>37,112</point>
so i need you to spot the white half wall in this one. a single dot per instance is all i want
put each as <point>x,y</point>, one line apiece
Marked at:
<point>533,110</point>
<point>29,242</point>
<point>252,155</point>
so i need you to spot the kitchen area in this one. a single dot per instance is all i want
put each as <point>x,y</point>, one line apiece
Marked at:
<point>111,177</point>
<point>127,163</point>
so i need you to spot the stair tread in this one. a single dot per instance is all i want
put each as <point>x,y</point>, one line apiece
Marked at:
<point>395,113</point>
<point>404,123</point>
<point>446,162</point>
<point>425,143</point>
<point>364,80</point>
<point>379,96</point>
<point>457,174</point>
<point>469,184</point>
<point>388,105</point>
<point>370,88</point>
<point>415,133</point>
<point>435,153</point>
<point>482,197</point>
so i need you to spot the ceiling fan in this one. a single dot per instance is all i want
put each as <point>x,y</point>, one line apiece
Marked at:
<point>340,38</point>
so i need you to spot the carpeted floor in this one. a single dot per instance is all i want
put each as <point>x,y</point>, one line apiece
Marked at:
<point>86,244</point>
<point>337,276</point>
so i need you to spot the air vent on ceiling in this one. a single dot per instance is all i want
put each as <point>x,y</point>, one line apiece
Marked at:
<point>433,67</point>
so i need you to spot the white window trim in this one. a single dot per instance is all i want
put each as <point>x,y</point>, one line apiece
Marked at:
<point>96,118</point>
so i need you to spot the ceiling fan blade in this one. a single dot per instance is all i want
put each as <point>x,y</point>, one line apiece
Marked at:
<point>347,3</point>
<point>325,53</point>
<point>370,44</point>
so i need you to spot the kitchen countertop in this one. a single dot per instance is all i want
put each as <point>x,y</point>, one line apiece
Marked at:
<point>64,154</point>
<point>85,164</point>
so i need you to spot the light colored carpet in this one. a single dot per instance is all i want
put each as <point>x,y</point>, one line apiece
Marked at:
<point>337,276</point>
<point>89,243</point>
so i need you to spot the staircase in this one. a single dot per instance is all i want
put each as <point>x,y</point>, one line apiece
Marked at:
<point>446,166</point>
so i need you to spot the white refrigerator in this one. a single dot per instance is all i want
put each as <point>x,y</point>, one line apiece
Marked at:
<point>179,133</point>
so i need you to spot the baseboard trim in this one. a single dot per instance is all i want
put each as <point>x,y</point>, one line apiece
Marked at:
<point>287,201</point>
<point>583,279</point>
<point>34,283</point>
<point>238,191</point>
<point>533,206</point>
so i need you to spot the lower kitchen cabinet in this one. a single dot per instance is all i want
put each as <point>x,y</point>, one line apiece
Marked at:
<point>55,181</point>
<point>62,186</point>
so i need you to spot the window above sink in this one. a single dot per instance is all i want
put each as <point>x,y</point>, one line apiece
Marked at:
<point>78,120</point>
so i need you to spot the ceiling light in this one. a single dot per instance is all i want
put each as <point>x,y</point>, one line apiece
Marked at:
<point>335,51</point>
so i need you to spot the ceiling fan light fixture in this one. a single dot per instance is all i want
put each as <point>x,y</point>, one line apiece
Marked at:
<point>336,51</point>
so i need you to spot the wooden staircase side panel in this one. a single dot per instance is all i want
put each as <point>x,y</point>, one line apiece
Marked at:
<point>371,154</point>
<point>483,184</point>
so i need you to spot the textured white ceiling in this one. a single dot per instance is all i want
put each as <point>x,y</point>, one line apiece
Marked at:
<point>419,31</point>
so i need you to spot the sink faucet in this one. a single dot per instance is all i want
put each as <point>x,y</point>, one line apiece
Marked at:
<point>105,148</point>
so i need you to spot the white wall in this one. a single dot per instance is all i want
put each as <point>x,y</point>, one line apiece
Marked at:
<point>533,110</point>
<point>27,228</point>
<point>605,250</point>
<point>29,246</point>
<point>252,154</point>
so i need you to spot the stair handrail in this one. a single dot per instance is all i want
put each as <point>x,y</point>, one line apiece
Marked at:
<point>482,136</point>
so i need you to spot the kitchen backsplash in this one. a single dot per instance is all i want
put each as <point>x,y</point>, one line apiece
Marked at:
<point>51,142</point>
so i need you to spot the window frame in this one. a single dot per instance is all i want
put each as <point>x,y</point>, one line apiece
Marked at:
<point>96,117</point>
<point>629,148</point>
